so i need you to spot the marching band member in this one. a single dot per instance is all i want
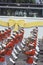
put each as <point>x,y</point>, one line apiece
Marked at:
<point>3,35</point>
<point>2,57</point>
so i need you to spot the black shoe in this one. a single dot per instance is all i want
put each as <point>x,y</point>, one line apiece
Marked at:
<point>35,64</point>
<point>14,64</point>
<point>37,60</point>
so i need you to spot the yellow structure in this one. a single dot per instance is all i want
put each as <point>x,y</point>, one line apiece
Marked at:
<point>20,23</point>
<point>3,23</point>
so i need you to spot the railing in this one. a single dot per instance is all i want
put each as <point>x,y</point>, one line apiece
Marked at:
<point>22,4</point>
<point>22,9</point>
<point>38,8</point>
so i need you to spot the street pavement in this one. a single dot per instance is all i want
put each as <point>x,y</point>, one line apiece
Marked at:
<point>22,58</point>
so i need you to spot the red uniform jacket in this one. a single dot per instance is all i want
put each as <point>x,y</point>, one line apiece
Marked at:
<point>2,59</point>
<point>3,36</point>
<point>9,31</point>
<point>2,54</point>
<point>0,36</point>
<point>20,37</point>
<point>9,47</point>
<point>29,54</point>
<point>6,34</point>
<point>30,60</point>
<point>17,38</point>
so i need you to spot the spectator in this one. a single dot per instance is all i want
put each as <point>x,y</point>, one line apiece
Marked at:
<point>16,13</point>
<point>41,1</point>
<point>25,14</point>
<point>20,13</point>
<point>37,1</point>
<point>3,0</point>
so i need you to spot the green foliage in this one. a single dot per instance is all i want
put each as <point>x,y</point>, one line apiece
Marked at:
<point>25,1</point>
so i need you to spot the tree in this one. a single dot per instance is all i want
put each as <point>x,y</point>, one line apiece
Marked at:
<point>20,1</point>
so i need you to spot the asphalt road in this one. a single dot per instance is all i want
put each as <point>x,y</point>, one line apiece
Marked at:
<point>21,61</point>
<point>22,57</point>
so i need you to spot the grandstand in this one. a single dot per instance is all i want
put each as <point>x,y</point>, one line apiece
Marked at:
<point>20,8</point>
